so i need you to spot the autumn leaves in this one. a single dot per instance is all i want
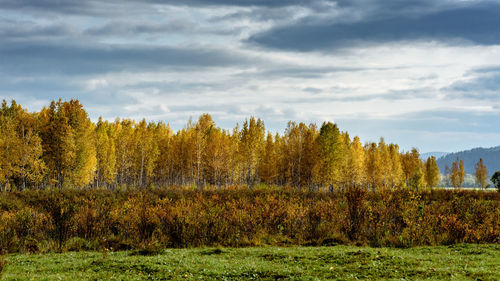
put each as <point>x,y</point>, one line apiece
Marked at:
<point>59,146</point>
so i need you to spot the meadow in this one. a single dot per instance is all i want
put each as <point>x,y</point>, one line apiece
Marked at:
<point>455,262</point>
<point>268,233</point>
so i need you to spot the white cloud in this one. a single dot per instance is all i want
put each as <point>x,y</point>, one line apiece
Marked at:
<point>94,84</point>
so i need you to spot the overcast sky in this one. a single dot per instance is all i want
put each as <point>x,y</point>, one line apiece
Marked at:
<point>422,74</point>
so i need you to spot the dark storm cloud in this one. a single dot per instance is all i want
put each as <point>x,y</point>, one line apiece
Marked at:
<point>37,57</point>
<point>475,23</point>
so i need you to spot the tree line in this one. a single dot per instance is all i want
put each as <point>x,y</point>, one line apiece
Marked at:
<point>60,146</point>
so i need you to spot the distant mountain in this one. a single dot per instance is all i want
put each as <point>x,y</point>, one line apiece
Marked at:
<point>491,158</point>
<point>436,154</point>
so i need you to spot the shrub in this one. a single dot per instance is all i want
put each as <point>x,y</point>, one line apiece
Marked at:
<point>2,265</point>
<point>41,221</point>
<point>79,244</point>
<point>60,207</point>
<point>355,199</point>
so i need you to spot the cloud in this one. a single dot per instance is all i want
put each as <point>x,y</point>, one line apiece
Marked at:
<point>20,30</point>
<point>445,129</point>
<point>405,70</point>
<point>48,8</point>
<point>481,84</point>
<point>43,57</point>
<point>47,5</point>
<point>339,94</point>
<point>125,28</point>
<point>94,7</point>
<point>312,90</point>
<point>475,23</point>
<point>478,86</point>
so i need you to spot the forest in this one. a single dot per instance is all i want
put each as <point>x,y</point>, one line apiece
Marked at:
<point>70,184</point>
<point>60,147</point>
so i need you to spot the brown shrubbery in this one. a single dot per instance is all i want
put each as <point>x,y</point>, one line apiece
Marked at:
<point>55,220</point>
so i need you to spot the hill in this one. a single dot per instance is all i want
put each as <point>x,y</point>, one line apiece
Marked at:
<point>491,158</point>
<point>437,154</point>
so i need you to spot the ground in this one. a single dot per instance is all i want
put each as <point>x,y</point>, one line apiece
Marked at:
<point>456,262</point>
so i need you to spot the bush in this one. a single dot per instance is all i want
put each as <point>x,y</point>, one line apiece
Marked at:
<point>60,207</point>
<point>495,179</point>
<point>2,265</point>
<point>355,199</point>
<point>77,244</point>
<point>74,220</point>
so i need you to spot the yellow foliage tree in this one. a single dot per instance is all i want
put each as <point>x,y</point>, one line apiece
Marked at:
<point>431,172</point>
<point>105,153</point>
<point>481,173</point>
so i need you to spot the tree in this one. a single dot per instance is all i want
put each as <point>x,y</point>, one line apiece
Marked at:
<point>217,157</point>
<point>164,169</point>
<point>298,153</point>
<point>199,135</point>
<point>396,170</point>
<point>329,154</point>
<point>7,143</point>
<point>125,149</point>
<point>447,172</point>
<point>105,153</point>
<point>251,146</point>
<point>281,159</point>
<point>58,142</point>
<point>385,164</point>
<point>461,173</point>
<point>269,165</point>
<point>373,165</point>
<point>68,144</point>
<point>457,173</point>
<point>412,168</point>
<point>481,173</point>
<point>454,178</point>
<point>21,147</point>
<point>357,162</point>
<point>84,166</point>
<point>146,152</point>
<point>60,146</point>
<point>495,179</point>
<point>181,157</point>
<point>431,172</point>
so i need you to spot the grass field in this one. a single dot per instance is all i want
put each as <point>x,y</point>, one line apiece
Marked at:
<point>457,262</point>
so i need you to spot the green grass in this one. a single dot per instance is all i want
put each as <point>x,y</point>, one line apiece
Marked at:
<point>458,262</point>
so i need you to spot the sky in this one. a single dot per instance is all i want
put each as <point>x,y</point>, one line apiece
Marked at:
<point>422,74</point>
